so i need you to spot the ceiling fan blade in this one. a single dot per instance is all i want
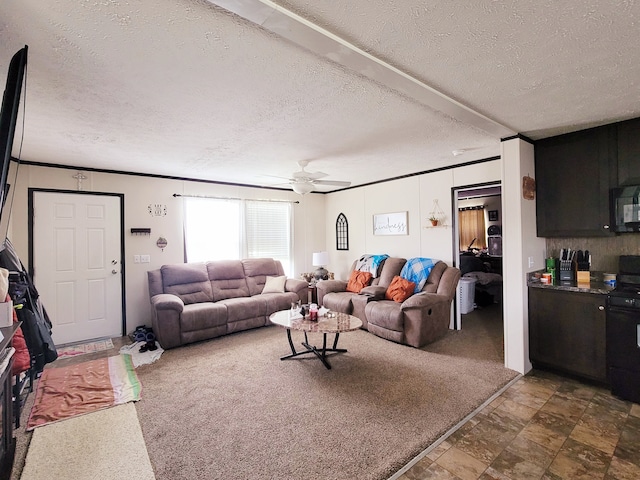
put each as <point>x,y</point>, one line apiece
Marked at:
<point>308,175</point>
<point>335,183</point>
<point>276,176</point>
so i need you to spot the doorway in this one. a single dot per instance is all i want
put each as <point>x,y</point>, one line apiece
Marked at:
<point>478,251</point>
<point>76,251</point>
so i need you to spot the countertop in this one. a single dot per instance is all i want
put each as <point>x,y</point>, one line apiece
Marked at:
<point>595,285</point>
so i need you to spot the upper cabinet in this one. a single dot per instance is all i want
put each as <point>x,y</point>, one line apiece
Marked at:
<point>629,152</point>
<point>574,173</point>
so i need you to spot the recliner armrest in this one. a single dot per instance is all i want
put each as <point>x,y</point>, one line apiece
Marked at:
<point>328,286</point>
<point>167,301</point>
<point>295,285</point>
<point>374,291</point>
<point>424,300</point>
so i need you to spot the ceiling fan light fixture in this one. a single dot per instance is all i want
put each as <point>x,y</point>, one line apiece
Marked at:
<point>302,188</point>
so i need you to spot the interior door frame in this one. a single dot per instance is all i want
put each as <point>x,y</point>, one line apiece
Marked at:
<point>30,212</point>
<point>455,239</point>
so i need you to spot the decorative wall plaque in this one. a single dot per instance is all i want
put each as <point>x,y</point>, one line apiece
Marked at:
<point>528,188</point>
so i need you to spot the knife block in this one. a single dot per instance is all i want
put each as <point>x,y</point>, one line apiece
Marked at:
<point>584,276</point>
<point>568,270</point>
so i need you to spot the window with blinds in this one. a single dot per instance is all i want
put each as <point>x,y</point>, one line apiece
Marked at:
<point>268,231</point>
<point>221,229</point>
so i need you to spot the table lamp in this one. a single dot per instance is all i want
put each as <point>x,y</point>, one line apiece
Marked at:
<point>320,259</point>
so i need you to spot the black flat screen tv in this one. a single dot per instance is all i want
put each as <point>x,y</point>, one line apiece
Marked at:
<point>8,121</point>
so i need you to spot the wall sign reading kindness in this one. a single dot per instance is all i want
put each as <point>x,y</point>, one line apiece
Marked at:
<point>390,224</point>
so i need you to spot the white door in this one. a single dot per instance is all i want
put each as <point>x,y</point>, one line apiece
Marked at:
<point>77,264</point>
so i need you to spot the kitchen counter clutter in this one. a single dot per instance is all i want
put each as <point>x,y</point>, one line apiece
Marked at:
<point>595,285</point>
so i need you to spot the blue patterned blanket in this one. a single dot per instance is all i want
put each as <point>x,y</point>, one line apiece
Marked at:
<point>417,270</point>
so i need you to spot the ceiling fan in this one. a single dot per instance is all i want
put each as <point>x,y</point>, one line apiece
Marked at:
<point>302,182</point>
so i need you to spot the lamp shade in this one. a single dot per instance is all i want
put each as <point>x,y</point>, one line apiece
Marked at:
<point>320,259</point>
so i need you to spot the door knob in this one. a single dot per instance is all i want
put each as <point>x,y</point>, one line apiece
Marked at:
<point>114,271</point>
<point>600,307</point>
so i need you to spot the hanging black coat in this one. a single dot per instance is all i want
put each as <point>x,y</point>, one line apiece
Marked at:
<point>36,325</point>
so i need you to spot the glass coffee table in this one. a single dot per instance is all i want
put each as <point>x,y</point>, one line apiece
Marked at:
<point>332,322</point>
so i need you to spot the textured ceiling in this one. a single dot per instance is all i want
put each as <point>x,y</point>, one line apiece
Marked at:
<point>189,88</point>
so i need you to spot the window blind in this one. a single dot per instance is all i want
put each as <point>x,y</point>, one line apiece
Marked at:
<point>268,231</point>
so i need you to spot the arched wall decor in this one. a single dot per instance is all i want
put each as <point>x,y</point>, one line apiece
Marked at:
<point>342,233</point>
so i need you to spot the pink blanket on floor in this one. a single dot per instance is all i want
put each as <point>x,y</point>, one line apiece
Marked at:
<point>86,387</point>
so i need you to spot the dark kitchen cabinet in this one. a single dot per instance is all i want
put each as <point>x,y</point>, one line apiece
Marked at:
<point>574,173</point>
<point>567,332</point>
<point>629,152</point>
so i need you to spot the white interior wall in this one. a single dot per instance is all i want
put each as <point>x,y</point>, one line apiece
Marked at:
<point>314,224</point>
<point>520,244</point>
<point>140,192</point>
<point>414,195</point>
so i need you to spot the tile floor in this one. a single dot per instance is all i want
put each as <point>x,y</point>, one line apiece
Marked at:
<point>542,427</point>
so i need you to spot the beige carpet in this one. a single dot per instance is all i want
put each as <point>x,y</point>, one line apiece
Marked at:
<point>104,445</point>
<point>230,408</point>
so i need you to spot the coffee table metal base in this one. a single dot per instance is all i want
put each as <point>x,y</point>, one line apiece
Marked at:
<point>320,353</point>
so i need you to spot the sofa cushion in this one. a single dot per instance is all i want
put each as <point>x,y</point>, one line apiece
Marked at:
<point>278,301</point>
<point>189,281</point>
<point>251,310</point>
<point>385,314</point>
<point>274,284</point>
<point>256,271</point>
<point>392,266</point>
<point>400,289</point>
<point>227,279</point>
<point>433,282</point>
<point>201,316</point>
<point>358,280</point>
<point>338,301</point>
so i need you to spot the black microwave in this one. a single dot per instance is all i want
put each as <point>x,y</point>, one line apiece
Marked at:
<point>624,203</point>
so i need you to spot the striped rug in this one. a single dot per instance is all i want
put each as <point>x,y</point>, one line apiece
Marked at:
<point>66,392</point>
<point>83,348</point>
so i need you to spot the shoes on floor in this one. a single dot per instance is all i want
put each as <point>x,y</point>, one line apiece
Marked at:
<point>149,346</point>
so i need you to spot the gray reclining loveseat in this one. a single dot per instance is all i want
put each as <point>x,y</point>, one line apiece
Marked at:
<point>420,319</point>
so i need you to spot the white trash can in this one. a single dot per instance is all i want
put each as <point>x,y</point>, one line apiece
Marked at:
<point>466,294</point>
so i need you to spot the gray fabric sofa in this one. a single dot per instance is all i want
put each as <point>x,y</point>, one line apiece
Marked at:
<point>197,301</point>
<point>421,319</point>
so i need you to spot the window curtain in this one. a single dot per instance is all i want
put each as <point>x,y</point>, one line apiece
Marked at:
<point>472,226</point>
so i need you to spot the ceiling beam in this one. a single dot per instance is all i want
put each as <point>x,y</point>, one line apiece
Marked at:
<point>300,31</point>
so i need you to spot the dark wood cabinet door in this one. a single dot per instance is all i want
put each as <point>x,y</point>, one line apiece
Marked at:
<point>629,152</point>
<point>574,173</point>
<point>567,332</point>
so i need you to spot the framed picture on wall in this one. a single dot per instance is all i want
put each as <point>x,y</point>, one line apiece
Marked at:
<point>390,224</point>
<point>493,215</point>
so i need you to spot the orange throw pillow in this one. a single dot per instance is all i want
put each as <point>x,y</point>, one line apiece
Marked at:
<point>358,280</point>
<point>400,289</point>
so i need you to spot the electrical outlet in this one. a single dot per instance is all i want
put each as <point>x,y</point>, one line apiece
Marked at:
<point>531,262</point>
<point>136,259</point>
<point>145,258</point>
